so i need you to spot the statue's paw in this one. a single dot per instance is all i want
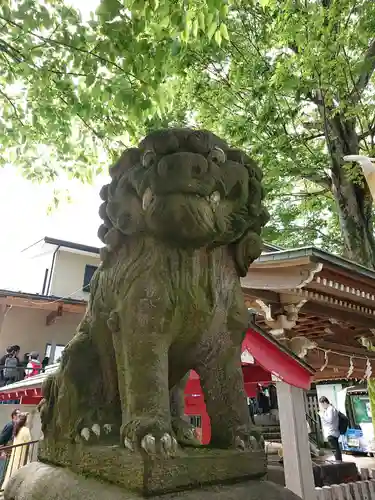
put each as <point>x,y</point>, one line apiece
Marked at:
<point>185,433</point>
<point>150,437</point>
<point>166,447</point>
<point>95,432</point>
<point>258,440</point>
<point>248,440</point>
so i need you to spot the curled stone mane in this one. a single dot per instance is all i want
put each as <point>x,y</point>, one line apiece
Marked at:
<point>236,176</point>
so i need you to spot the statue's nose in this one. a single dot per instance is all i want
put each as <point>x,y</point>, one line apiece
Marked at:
<point>190,165</point>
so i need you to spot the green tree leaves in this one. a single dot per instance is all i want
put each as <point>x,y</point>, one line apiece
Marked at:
<point>290,81</point>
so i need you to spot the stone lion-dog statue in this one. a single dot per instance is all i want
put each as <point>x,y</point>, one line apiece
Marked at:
<point>182,219</point>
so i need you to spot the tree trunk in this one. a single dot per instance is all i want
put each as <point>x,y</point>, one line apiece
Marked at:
<point>353,198</point>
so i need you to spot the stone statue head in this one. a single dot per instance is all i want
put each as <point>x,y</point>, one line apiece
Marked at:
<point>189,189</point>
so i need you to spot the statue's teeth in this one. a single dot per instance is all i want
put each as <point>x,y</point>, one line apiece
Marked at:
<point>147,198</point>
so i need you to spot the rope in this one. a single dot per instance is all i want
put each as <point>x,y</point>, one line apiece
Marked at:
<point>30,301</point>
<point>352,356</point>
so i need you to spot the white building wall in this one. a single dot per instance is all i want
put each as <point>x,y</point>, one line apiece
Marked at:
<point>68,274</point>
<point>27,327</point>
<point>28,272</point>
<point>330,391</point>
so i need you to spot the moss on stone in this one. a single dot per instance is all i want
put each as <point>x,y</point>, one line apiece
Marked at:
<point>182,218</point>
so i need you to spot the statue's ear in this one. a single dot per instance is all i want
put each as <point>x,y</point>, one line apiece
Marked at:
<point>245,250</point>
<point>249,246</point>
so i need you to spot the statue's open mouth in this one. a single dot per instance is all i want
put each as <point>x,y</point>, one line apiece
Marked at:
<point>213,199</point>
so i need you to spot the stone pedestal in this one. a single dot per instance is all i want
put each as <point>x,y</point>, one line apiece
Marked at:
<point>140,474</point>
<point>38,481</point>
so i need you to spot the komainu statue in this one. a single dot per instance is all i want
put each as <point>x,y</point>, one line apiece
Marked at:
<point>182,218</point>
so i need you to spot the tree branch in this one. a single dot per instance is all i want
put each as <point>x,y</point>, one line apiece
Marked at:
<point>311,137</point>
<point>72,47</point>
<point>368,68</point>
<point>370,131</point>
<point>87,125</point>
<point>13,106</point>
<point>11,51</point>
<point>325,181</point>
<point>303,194</point>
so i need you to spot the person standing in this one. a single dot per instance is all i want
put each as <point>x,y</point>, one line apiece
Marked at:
<point>6,437</point>
<point>45,363</point>
<point>20,455</point>
<point>34,366</point>
<point>10,372</point>
<point>7,433</point>
<point>2,364</point>
<point>330,422</point>
<point>250,405</point>
<point>263,400</point>
<point>16,349</point>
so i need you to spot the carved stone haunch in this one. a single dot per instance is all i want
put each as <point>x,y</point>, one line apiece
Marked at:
<point>182,218</point>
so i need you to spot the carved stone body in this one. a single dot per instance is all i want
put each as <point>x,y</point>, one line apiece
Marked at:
<point>182,221</point>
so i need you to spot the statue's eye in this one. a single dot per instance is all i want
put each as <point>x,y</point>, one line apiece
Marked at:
<point>148,159</point>
<point>217,155</point>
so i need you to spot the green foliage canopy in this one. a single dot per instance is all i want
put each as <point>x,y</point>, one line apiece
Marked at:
<point>290,80</point>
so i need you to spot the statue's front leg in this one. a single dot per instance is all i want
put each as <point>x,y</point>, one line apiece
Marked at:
<point>142,346</point>
<point>226,401</point>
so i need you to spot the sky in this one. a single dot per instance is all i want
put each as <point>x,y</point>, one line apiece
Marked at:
<point>25,219</point>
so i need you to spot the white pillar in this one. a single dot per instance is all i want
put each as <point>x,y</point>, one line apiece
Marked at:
<point>296,451</point>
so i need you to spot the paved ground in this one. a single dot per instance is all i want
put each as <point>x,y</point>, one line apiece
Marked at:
<point>362,461</point>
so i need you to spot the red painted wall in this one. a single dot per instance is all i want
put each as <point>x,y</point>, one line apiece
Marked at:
<point>194,400</point>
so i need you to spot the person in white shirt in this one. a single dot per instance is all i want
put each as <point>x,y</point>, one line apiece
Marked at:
<point>330,422</point>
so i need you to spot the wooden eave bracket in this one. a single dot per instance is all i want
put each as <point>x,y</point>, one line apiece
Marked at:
<point>280,277</point>
<point>54,315</point>
<point>278,323</point>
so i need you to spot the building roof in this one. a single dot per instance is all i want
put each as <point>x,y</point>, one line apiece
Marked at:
<point>55,243</point>
<point>326,299</point>
<point>271,248</point>
<point>45,302</point>
<point>316,255</point>
<point>282,348</point>
<point>72,245</point>
<point>38,297</point>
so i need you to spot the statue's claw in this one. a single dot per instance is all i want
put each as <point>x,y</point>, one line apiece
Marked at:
<point>85,433</point>
<point>107,428</point>
<point>147,436</point>
<point>239,443</point>
<point>128,444</point>
<point>185,433</point>
<point>88,434</point>
<point>248,440</point>
<point>96,430</point>
<point>169,445</point>
<point>148,444</point>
